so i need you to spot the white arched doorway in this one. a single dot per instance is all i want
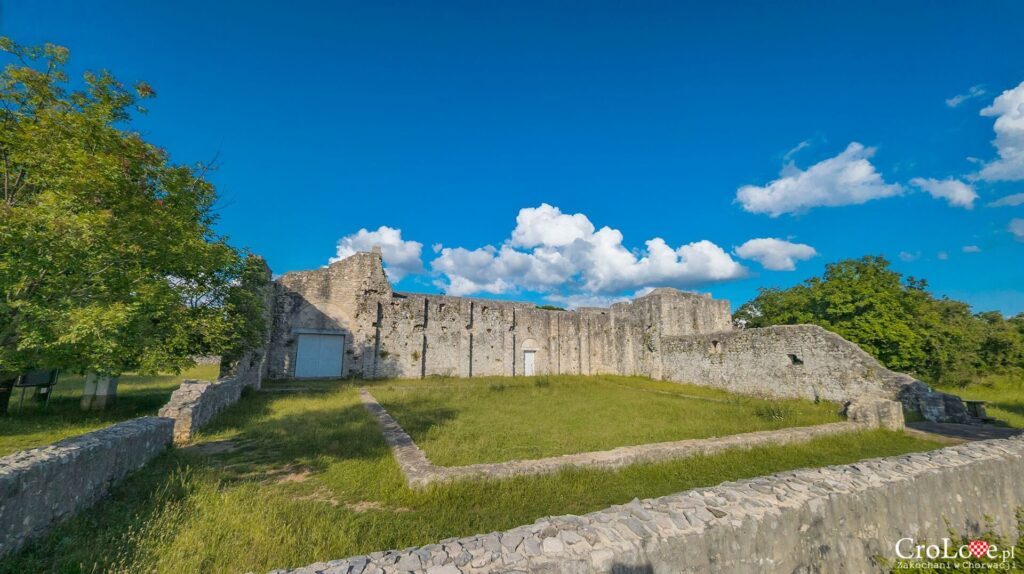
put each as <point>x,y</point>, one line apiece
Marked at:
<point>529,351</point>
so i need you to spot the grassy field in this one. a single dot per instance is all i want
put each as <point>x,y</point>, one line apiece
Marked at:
<point>286,479</point>
<point>1004,393</point>
<point>137,396</point>
<point>458,422</point>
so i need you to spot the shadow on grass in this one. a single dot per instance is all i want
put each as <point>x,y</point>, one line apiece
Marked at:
<point>273,433</point>
<point>271,438</point>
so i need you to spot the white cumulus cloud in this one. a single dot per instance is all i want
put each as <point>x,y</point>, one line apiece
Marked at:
<point>1008,110</point>
<point>954,191</point>
<point>547,225</point>
<point>1016,227</point>
<point>971,249</point>
<point>846,179</point>
<point>1009,201</point>
<point>554,252</point>
<point>775,254</point>
<point>400,257</point>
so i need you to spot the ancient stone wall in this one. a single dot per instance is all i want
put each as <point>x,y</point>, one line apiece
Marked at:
<point>833,519</point>
<point>390,334</point>
<point>194,404</point>
<point>666,334</point>
<point>802,361</point>
<point>40,486</point>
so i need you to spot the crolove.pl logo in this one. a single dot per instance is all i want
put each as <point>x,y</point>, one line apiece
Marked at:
<point>953,555</point>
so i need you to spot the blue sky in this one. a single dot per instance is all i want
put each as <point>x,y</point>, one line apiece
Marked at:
<point>685,130</point>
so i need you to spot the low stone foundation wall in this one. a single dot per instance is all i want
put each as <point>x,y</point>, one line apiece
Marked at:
<point>195,403</point>
<point>420,472</point>
<point>834,519</point>
<point>38,487</point>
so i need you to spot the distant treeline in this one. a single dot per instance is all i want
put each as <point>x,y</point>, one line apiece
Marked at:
<point>897,320</point>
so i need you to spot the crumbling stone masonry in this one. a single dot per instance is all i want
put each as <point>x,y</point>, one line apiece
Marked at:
<point>345,320</point>
<point>40,486</point>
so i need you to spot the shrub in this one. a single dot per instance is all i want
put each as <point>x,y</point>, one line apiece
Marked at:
<point>774,411</point>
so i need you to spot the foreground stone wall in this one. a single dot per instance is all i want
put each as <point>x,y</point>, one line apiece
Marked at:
<point>39,487</point>
<point>834,519</point>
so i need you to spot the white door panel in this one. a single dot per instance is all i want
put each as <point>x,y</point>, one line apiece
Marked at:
<point>528,368</point>
<point>319,356</point>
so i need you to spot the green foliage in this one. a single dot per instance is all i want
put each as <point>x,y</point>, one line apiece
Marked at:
<point>1004,394</point>
<point>896,320</point>
<point>775,411</point>
<point>551,307</point>
<point>110,262</point>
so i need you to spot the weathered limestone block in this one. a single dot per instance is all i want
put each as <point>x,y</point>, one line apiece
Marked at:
<point>41,486</point>
<point>876,413</point>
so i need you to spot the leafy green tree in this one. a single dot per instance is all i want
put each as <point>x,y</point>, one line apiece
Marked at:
<point>895,319</point>
<point>108,257</point>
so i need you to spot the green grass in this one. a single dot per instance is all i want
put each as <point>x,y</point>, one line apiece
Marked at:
<point>137,396</point>
<point>1004,393</point>
<point>496,419</point>
<point>313,480</point>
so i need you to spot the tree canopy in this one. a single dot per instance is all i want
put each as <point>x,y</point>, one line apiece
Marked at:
<point>897,320</point>
<point>109,260</point>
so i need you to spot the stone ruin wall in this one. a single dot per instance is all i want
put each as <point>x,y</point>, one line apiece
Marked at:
<point>666,335</point>
<point>390,334</point>
<point>797,361</point>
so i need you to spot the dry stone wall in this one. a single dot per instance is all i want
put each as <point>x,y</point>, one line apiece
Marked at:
<point>194,404</point>
<point>39,487</point>
<point>833,519</point>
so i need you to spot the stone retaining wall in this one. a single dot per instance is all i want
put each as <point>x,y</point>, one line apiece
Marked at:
<point>833,519</point>
<point>40,486</point>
